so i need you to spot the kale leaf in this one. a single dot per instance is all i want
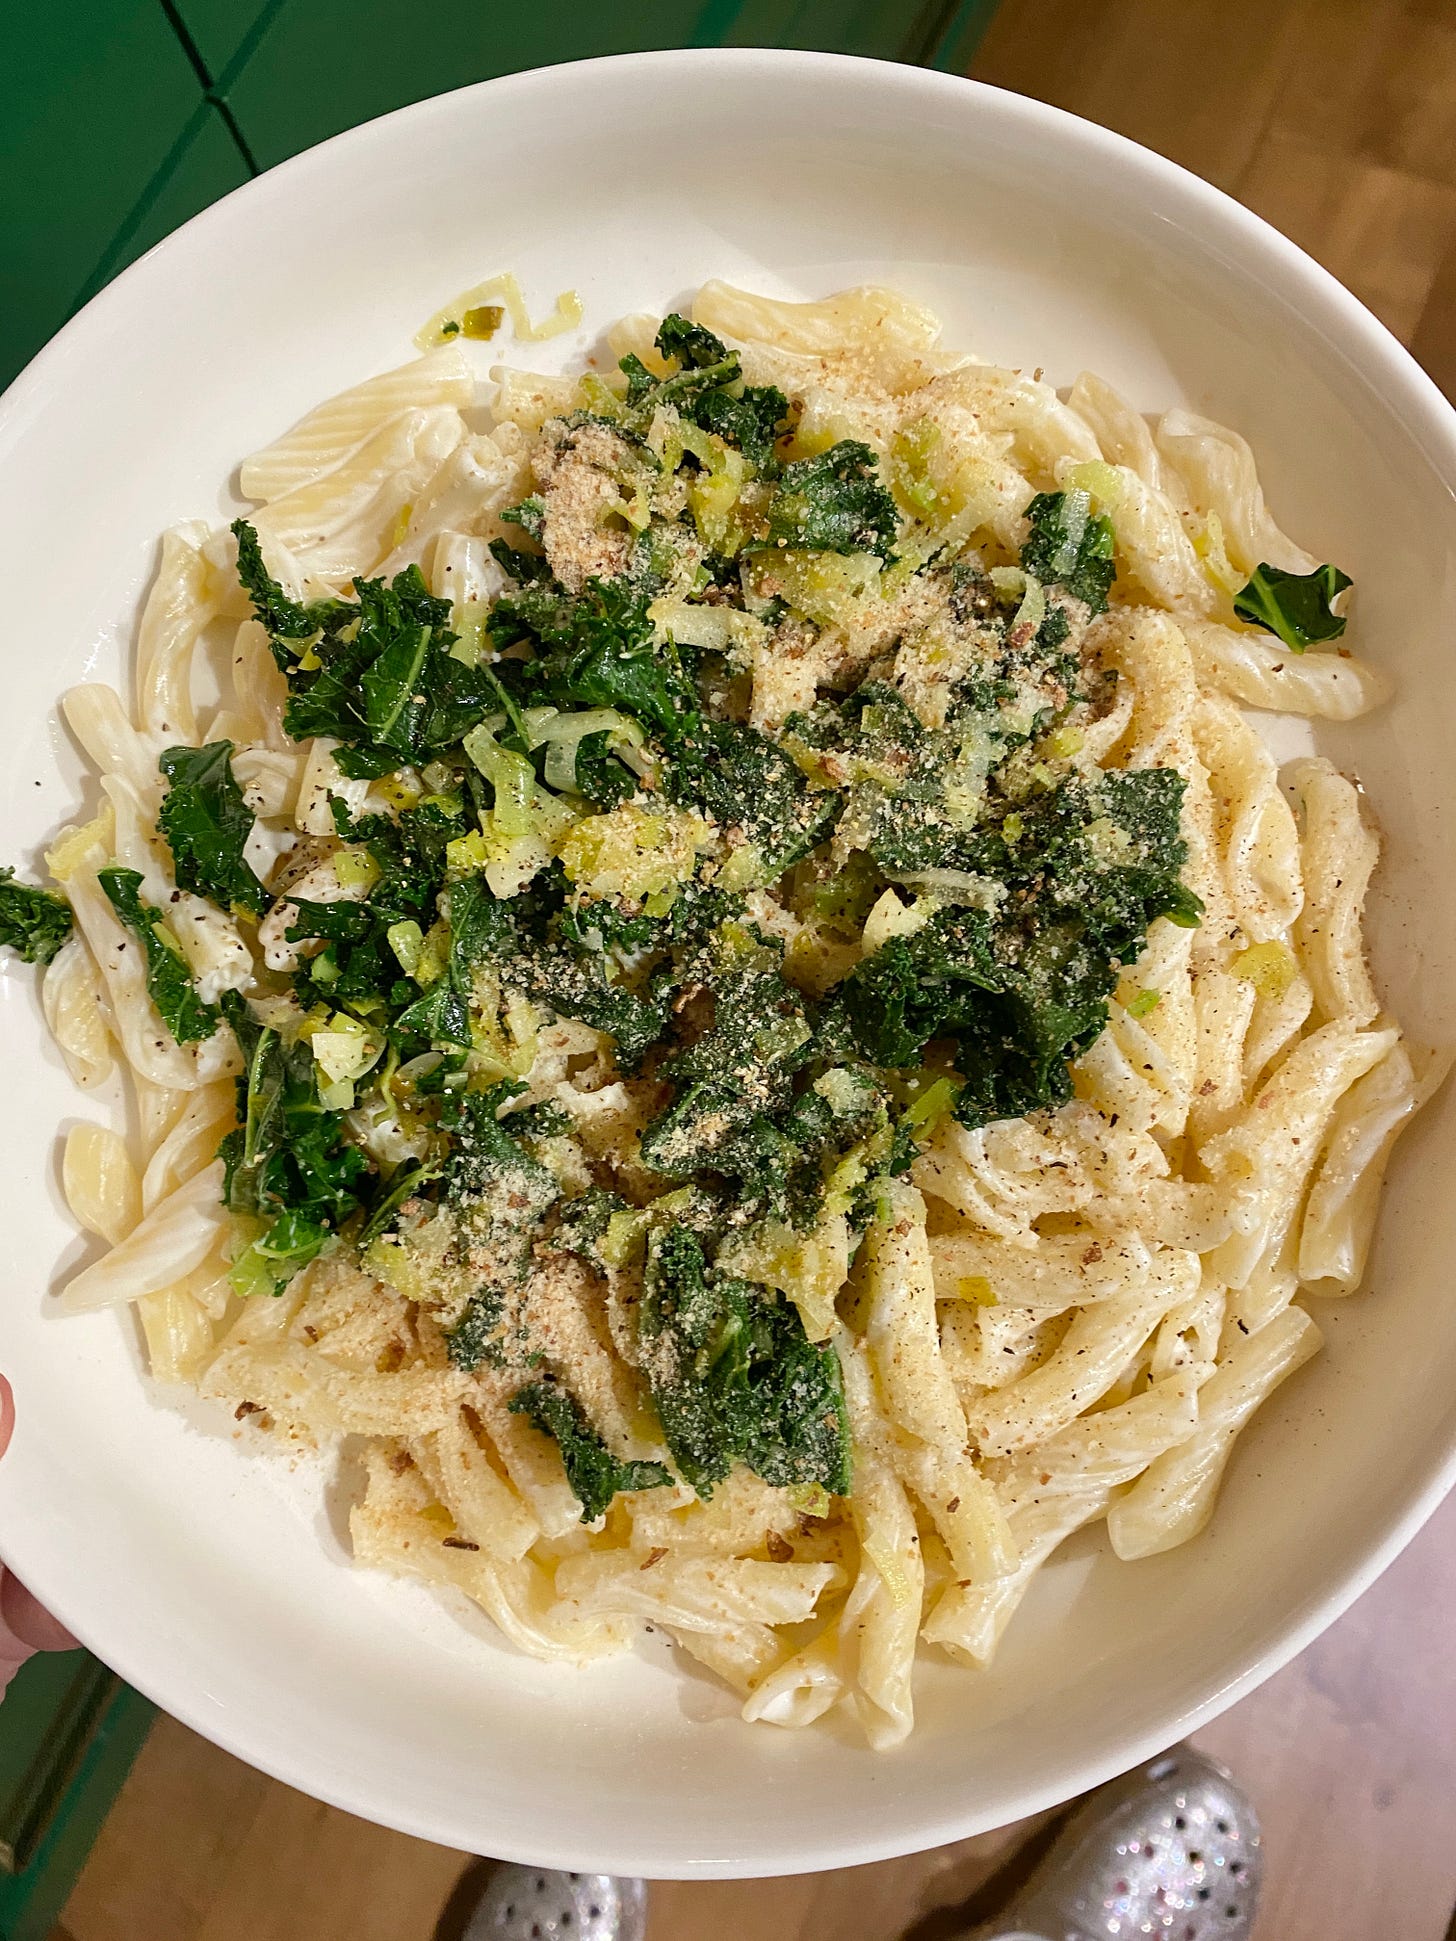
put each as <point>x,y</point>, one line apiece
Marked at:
<point>1295,606</point>
<point>604,924</point>
<point>747,782</point>
<point>592,1470</point>
<point>284,619</point>
<point>267,1264</point>
<point>500,1193</point>
<point>576,985</point>
<point>733,1376</point>
<point>287,1161</point>
<point>32,921</point>
<point>693,345</point>
<point>169,982</point>
<point>918,987</point>
<point>207,823</point>
<point>736,1078</point>
<point>834,503</point>
<point>707,389</point>
<point>1087,869</point>
<point>374,672</point>
<point>752,420</point>
<point>478,927</point>
<point>600,777</point>
<point>596,649</point>
<point>288,1151</point>
<point>529,515</point>
<point>1069,545</point>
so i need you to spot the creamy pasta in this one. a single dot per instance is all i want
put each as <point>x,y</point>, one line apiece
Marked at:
<point>729,983</point>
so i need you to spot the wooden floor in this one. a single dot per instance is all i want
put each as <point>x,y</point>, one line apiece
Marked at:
<point>1336,120</point>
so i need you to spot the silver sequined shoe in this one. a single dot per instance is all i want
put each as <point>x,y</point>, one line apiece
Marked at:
<point>1170,1851</point>
<point>539,1904</point>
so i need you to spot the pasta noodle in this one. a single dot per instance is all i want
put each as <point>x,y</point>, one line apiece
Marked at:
<point>1014,1311</point>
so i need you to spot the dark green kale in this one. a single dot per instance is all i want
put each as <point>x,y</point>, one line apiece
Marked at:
<point>600,777</point>
<point>34,922</point>
<point>596,649</point>
<point>207,824</point>
<point>592,1470</point>
<point>1070,546</point>
<point>1087,869</point>
<point>834,503</point>
<point>284,619</point>
<point>640,382</point>
<point>733,1376</point>
<point>734,1082</point>
<point>529,515</point>
<point>747,782</point>
<point>359,964</point>
<point>918,987</point>
<point>1295,606</point>
<point>527,569</point>
<point>479,927</point>
<point>287,1161</point>
<point>606,925</point>
<point>694,346</point>
<point>708,391</point>
<point>408,1180</point>
<point>342,923</point>
<point>484,1154</point>
<point>576,985</point>
<point>374,672</point>
<point>169,982</point>
<point>751,420</point>
<point>582,1224</point>
<point>499,1192</point>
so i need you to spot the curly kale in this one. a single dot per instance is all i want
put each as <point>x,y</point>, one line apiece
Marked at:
<point>33,922</point>
<point>748,783</point>
<point>287,1161</point>
<point>596,649</point>
<point>375,672</point>
<point>1297,607</point>
<point>592,1470</point>
<point>499,1191</point>
<point>835,503</point>
<point>734,1378</point>
<point>1087,869</point>
<point>207,824</point>
<point>1070,546</point>
<point>169,982</point>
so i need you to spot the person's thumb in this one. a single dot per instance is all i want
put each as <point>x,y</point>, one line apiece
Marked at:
<point>25,1625</point>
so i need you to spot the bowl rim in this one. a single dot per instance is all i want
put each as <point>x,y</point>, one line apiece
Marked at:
<point>1368,347</point>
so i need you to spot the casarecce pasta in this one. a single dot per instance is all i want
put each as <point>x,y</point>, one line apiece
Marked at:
<point>757,1018</point>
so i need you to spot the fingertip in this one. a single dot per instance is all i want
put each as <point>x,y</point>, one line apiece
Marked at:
<point>29,1621</point>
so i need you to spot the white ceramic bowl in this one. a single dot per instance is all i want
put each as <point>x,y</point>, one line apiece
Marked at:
<point>216,1581</point>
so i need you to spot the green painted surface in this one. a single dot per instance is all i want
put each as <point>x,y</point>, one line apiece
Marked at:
<point>376,57</point>
<point>218,29</point>
<point>380,55</point>
<point>71,1731</point>
<point>92,105</point>
<point>209,166</point>
<point>957,36</point>
<point>883,29</point>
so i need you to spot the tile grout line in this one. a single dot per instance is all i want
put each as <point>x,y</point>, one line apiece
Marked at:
<point>107,264</point>
<point>215,86</point>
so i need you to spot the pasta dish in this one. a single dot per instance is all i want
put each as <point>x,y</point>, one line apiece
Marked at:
<point>717,972</point>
